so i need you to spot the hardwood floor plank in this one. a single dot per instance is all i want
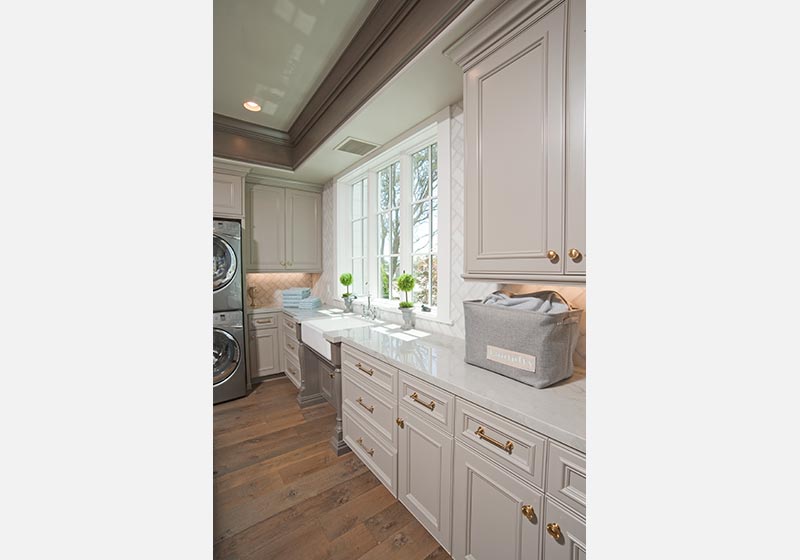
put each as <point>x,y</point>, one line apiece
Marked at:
<point>438,554</point>
<point>388,521</point>
<point>410,542</point>
<point>340,520</point>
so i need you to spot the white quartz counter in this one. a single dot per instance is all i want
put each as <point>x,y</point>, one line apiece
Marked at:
<point>297,314</point>
<point>558,411</point>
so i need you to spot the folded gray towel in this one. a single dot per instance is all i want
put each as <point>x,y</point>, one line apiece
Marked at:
<point>526,303</point>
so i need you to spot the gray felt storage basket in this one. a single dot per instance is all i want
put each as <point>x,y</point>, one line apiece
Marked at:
<point>530,346</point>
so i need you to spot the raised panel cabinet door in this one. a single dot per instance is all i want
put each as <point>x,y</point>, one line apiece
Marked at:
<point>514,119</point>
<point>496,516</point>
<point>266,224</point>
<point>575,226</point>
<point>425,467</point>
<point>266,357</point>
<point>565,534</point>
<point>303,231</point>
<point>228,196</point>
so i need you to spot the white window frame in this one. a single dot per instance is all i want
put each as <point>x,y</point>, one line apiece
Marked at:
<point>435,129</point>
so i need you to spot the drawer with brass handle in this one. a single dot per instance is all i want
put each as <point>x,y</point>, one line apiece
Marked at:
<point>566,476</point>
<point>264,320</point>
<point>371,371</point>
<point>291,346</point>
<point>516,447</point>
<point>380,458</point>
<point>289,327</point>
<point>293,372</point>
<point>372,406</point>
<point>432,403</point>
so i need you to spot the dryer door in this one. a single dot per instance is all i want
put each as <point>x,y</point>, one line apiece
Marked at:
<point>226,355</point>
<point>225,263</point>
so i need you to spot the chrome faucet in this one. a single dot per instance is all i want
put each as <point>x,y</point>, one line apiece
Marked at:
<point>369,312</point>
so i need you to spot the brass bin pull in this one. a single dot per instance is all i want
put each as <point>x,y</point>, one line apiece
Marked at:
<point>508,447</point>
<point>554,530</point>
<point>263,321</point>
<point>370,451</point>
<point>290,345</point>
<point>415,397</point>
<point>527,511</point>
<point>360,401</point>
<point>367,371</point>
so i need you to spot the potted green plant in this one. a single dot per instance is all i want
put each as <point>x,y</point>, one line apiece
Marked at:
<point>346,280</point>
<point>405,282</point>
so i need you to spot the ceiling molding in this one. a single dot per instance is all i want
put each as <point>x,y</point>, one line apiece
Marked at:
<point>392,35</point>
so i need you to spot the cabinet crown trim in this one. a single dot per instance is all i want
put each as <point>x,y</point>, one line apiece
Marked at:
<point>494,30</point>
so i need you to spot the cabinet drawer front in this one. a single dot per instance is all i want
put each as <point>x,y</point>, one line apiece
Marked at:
<point>369,369</point>
<point>378,411</point>
<point>489,507</point>
<point>518,448</point>
<point>430,402</point>
<point>564,534</point>
<point>381,460</point>
<point>292,348</point>
<point>289,327</point>
<point>566,476</point>
<point>293,371</point>
<point>263,321</point>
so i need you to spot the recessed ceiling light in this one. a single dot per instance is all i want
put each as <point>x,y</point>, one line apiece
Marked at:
<point>252,106</point>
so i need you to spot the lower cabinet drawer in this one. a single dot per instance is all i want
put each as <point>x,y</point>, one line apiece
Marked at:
<point>293,371</point>
<point>565,534</point>
<point>495,514</point>
<point>291,348</point>
<point>512,445</point>
<point>566,476</point>
<point>377,410</point>
<point>381,459</point>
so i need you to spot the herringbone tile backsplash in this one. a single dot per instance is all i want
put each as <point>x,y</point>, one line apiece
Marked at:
<point>267,286</point>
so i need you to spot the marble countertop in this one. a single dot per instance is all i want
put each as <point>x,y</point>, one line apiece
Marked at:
<point>558,411</point>
<point>298,314</point>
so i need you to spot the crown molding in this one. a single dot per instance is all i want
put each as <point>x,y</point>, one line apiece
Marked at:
<point>393,33</point>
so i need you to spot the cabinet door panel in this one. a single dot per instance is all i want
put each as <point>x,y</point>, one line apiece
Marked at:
<point>266,227</point>
<point>488,523</point>
<point>265,352</point>
<point>571,541</point>
<point>425,466</point>
<point>303,230</point>
<point>514,112</point>
<point>228,199</point>
<point>575,226</point>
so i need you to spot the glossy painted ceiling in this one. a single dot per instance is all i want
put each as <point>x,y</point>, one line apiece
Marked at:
<point>278,52</point>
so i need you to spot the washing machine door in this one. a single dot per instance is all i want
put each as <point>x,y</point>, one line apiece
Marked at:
<point>225,263</point>
<point>226,355</point>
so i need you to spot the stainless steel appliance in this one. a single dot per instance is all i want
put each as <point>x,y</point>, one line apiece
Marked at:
<point>229,371</point>
<point>227,265</point>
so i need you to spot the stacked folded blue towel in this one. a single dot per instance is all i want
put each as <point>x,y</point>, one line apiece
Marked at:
<point>310,303</point>
<point>293,296</point>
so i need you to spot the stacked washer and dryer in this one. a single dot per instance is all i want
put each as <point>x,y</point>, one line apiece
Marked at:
<point>230,369</point>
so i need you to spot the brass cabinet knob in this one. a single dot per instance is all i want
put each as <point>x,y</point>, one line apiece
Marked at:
<point>528,512</point>
<point>283,263</point>
<point>401,422</point>
<point>552,255</point>
<point>554,530</point>
<point>575,255</point>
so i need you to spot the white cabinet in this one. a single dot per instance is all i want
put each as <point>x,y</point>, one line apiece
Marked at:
<point>228,195</point>
<point>496,516</point>
<point>284,229</point>
<point>264,346</point>
<point>524,136</point>
<point>565,534</point>
<point>424,473</point>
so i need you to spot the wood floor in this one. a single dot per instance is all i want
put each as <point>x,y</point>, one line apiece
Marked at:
<point>281,492</point>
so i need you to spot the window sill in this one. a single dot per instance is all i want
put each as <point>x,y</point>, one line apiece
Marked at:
<point>394,312</point>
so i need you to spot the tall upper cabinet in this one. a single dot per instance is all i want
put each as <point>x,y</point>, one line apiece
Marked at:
<point>284,228</point>
<point>228,192</point>
<point>524,109</point>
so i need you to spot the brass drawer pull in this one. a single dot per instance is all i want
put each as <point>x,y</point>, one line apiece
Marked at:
<point>360,401</point>
<point>554,531</point>
<point>508,447</point>
<point>367,371</point>
<point>415,397</point>
<point>291,346</point>
<point>370,451</point>
<point>528,512</point>
<point>289,324</point>
<point>264,321</point>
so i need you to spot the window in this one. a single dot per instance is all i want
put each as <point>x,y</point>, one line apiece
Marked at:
<point>393,217</point>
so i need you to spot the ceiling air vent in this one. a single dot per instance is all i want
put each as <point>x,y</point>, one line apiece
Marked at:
<point>353,146</point>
